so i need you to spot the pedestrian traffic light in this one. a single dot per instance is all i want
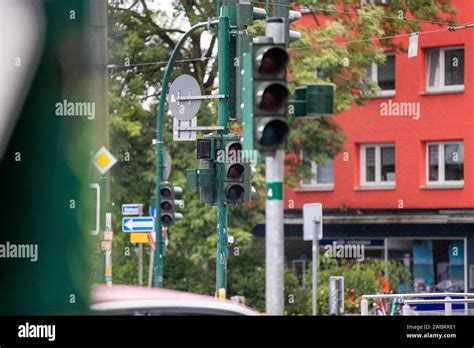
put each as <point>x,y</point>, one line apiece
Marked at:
<point>205,177</point>
<point>270,96</point>
<point>237,172</point>
<point>168,214</point>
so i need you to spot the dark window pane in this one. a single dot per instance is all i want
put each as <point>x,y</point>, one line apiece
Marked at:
<point>387,155</point>
<point>453,162</point>
<point>433,162</point>
<point>325,172</point>
<point>454,67</point>
<point>370,164</point>
<point>386,74</point>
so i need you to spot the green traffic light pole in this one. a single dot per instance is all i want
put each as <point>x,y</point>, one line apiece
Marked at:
<point>160,123</point>
<point>223,118</point>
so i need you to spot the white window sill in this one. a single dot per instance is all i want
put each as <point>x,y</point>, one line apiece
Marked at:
<point>443,186</point>
<point>315,188</point>
<point>385,94</point>
<point>443,90</point>
<point>375,187</point>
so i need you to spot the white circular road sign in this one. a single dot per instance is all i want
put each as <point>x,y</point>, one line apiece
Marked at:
<point>180,98</point>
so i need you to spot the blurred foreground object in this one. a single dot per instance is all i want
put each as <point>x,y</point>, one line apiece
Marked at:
<point>44,170</point>
<point>131,300</point>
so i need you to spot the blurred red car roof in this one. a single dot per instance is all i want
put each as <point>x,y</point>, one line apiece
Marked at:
<point>102,293</point>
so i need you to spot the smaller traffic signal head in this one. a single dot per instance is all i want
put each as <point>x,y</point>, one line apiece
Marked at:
<point>168,214</point>
<point>236,173</point>
<point>166,206</point>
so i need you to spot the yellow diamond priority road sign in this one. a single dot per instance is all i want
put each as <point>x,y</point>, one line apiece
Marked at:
<point>104,160</point>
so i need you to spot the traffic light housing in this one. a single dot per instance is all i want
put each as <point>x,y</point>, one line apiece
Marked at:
<point>270,96</point>
<point>227,151</point>
<point>237,172</point>
<point>168,214</point>
<point>204,178</point>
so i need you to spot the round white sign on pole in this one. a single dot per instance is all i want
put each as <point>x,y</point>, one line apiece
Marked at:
<point>167,165</point>
<point>183,87</point>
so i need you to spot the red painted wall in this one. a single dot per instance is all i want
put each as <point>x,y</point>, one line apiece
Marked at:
<point>443,117</point>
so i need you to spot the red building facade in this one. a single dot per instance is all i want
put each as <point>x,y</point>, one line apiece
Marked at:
<point>410,117</point>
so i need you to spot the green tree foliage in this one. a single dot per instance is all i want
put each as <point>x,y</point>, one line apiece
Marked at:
<point>359,278</point>
<point>140,33</point>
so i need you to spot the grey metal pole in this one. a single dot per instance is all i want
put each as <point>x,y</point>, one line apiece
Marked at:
<point>274,211</point>
<point>150,268</point>
<point>364,307</point>
<point>448,306</point>
<point>140,264</point>
<point>274,237</point>
<point>315,269</point>
<point>406,310</point>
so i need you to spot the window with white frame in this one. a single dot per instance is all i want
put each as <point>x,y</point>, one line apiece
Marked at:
<point>377,164</point>
<point>445,69</point>
<point>384,75</point>
<point>445,162</point>
<point>322,174</point>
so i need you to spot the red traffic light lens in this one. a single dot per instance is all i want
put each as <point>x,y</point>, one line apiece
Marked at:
<point>165,206</point>
<point>274,96</point>
<point>165,192</point>
<point>235,147</point>
<point>274,61</point>
<point>235,171</point>
<point>234,193</point>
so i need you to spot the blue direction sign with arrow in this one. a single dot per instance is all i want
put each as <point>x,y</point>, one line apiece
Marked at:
<point>138,224</point>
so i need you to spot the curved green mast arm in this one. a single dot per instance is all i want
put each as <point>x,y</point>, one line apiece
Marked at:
<point>158,262</point>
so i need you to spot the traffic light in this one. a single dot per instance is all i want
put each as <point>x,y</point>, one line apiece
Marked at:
<point>237,172</point>
<point>168,214</point>
<point>227,151</point>
<point>270,95</point>
<point>204,178</point>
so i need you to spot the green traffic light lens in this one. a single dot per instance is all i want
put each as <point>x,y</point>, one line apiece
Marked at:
<point>166,219</point>
<point>274,133</point>
<point>234,193</point>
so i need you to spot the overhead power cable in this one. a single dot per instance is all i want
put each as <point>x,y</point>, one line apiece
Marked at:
<point>351,13</point>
